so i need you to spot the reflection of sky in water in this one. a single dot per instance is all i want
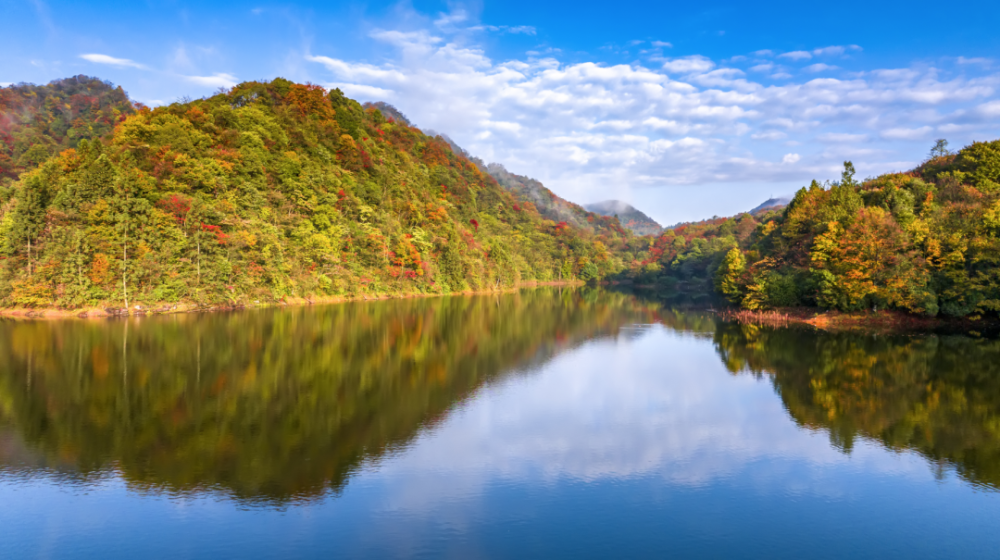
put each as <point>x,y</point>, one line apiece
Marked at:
<point>658,406</point>
<point>637,447</point>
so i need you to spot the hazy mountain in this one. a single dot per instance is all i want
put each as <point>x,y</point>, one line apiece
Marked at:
<point>552,206</point>
<point>628,215</point>
<point>771,204</point>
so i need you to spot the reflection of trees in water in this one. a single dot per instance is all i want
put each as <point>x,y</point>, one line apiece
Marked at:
<point>937,395</point>
<point>274,405</point>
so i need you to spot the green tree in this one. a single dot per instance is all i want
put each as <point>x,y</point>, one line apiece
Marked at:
<point>29,216</point>
<point>729,276</point>
<point>940,149</point>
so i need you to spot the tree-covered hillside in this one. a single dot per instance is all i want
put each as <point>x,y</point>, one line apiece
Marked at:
<point>39,121</point>
<point>629,216</point>
<point>535,195</point>
<point>925,241</point>
<point>269,191</point>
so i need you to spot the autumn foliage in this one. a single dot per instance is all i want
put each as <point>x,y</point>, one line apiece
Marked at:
<point>266,192</point>
<point>925,241</point>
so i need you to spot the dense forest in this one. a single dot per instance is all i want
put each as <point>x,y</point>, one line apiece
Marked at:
<point>37,122</point>
<point>925,241</point>
<point>265,192</point>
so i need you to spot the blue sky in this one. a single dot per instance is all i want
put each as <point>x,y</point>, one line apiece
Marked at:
<point>687,110</point>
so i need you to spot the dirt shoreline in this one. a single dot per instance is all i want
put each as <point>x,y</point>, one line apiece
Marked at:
<point>885,321</point>
<point>173,308</point>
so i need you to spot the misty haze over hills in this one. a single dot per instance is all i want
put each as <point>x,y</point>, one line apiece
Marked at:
<point>630,217</point>
<point>772,204</point>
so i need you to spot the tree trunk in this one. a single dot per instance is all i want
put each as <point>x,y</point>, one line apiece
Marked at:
<point>125,268</point>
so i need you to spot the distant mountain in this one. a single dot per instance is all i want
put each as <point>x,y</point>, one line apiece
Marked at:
<point>628,215</point>
<point>771,204</point>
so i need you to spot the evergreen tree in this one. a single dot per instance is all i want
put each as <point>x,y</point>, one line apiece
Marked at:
<point>29,218</point>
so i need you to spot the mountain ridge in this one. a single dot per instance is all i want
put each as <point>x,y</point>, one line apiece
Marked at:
<point>773,203</point>
<point>630,217</point>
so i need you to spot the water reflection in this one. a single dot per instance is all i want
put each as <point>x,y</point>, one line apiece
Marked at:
<point>939,396</point>
<point>285,405</point>
<point>276,405</point>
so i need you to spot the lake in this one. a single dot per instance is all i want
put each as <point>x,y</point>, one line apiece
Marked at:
<point>573,423</point>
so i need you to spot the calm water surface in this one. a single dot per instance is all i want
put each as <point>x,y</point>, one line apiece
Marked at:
<point>564,424</point>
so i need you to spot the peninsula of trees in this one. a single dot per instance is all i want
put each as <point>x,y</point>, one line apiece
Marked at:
<point>925,241</point>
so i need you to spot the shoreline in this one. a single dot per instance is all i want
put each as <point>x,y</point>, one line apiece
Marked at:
<point>176,308</point>
<point>885,321</point>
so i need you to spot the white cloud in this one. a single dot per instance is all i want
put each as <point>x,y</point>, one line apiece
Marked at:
<point>991,109</point>
<point>835,50</point>
<point>975,60</point>
<point>446,20</point>
<point>5,84</point>
<point>111,61</point>
<point>765,52</point>
<point>907,133</point>
<point>842,137</point>
<point>819,67</point>
<point>581,126</point>
<point>522,29</point>
<point>688,64</point>
<point>765,67</point>
<point>829,51</point>
<point>516,30</point>
<point>662,44</point>
<point>215,80</point>
<point>791,158</point>
<point>769,135</point>
<point>796,55</point>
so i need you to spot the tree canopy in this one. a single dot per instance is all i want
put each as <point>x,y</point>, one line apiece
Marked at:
<point>925,241</point>
<point>275,190</point>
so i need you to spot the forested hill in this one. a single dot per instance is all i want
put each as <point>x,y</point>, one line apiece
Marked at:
<point>269,191</point>
<point>924,241</point>
<point>39,121</point>
<point>628,215</point>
